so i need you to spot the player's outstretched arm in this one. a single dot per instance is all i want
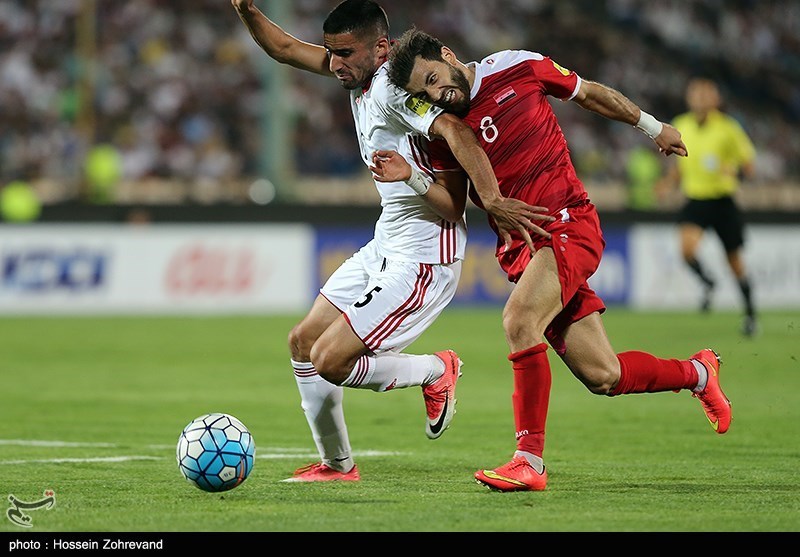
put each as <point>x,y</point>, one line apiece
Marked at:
<point>280,45</point>
<point>612,104</point>
<point>509,214</point>
<point>447,195</point>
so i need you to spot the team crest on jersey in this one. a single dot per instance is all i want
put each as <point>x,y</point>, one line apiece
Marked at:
<point>565,71</point>
<point>505,95</point>
<point>418,106</point>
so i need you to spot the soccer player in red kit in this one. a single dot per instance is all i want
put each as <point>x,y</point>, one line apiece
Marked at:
<point>504,99</point>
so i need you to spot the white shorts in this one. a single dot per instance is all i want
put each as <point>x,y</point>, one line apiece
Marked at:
<point>389,304</point>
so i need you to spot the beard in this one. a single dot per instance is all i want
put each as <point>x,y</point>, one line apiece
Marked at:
<point>460,107</point>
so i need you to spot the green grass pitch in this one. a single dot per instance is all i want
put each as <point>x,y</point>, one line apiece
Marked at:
<point>92,408</point>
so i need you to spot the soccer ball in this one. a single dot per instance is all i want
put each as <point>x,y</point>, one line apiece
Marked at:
<point>216,452</point>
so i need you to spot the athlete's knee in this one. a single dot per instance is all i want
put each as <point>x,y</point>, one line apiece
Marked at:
<point>300,343</point>
<point>522,327</point>
<point>330,364</point>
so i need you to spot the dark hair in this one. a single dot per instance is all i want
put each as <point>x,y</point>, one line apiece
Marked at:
<point>362,18</point>
<point>404,53</point>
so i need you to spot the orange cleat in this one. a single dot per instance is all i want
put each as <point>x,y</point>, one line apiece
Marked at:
<point>517,475</point>
<point>440,397</point>
<point>319,472</point>
<point>716,405</point>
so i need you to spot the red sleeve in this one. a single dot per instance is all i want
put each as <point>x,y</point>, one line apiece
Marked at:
<point>558,82</point>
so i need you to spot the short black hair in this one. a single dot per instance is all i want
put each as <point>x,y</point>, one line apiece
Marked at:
<point>362,18</point>
<point>404,53</point>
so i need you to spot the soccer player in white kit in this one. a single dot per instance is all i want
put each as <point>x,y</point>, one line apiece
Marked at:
<point>383,297</point>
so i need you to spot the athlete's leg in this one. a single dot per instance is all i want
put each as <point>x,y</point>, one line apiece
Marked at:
<point>532,305</point>
<point>739,269</point>
<point>341,357</point>
<point>731,233</point>
<point>386,307</point>
<point>737,265</point>
<point>336,351</point>
<point>361,349</point>
<point>534,302</point>
<point>589,356</point>
<point>592,360</point>
<point>367,310</point>
<point>691,235</point>
<point>303,336</point>
<point>545,283</point>
<point>729,228</point>
<point>339,354</point>
<point>320,400</point>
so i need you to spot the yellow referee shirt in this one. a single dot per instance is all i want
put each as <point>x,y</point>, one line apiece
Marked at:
<point>717,150</point>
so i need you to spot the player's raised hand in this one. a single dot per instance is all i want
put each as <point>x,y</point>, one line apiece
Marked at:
<point>669,142</point>
<point>512,214</point>
<point>389,166</point>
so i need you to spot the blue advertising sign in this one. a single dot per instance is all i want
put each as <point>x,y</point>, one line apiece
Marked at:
<point>50,270</point>
<point>482,281</point>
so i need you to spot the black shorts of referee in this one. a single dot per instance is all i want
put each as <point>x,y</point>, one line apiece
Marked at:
<point>721,215</point>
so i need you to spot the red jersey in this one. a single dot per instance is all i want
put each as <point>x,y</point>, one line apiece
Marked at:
<point>516,126</point>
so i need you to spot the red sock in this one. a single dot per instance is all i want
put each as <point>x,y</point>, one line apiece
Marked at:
<point>532,382</point>
<point>641,372</point>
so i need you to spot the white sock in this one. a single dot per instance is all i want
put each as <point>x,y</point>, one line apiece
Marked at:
<point>535,461</point>
<point>702,376</point>
<point>392,370</point>
<point>322,404</point>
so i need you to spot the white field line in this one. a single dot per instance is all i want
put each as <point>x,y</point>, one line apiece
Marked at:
<point>258,447</point>
<point>36,443</point>
<point>81,460</point>
<point>272,453</point>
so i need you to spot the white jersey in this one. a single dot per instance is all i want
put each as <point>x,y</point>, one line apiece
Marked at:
<point>388,118</point>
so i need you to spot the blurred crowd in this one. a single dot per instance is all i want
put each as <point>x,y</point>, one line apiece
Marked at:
<point>174,88</point>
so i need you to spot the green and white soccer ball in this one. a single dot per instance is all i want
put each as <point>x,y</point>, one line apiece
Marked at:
<point>216,452</point>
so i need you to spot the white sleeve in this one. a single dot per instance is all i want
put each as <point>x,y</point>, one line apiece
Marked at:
<point>413,114</point>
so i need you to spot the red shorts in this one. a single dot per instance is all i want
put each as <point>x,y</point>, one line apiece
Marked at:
<point>577,242</point>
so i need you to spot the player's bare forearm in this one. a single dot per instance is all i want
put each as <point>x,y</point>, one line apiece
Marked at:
<point>472,158</point>
<point>607,102</point>
<point>278,44</point>
<point>612,104</point>
<point>447,195</point>
<point>509,214</point>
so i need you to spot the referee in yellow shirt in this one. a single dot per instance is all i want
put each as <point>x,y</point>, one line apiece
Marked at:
<point>720,152</point>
